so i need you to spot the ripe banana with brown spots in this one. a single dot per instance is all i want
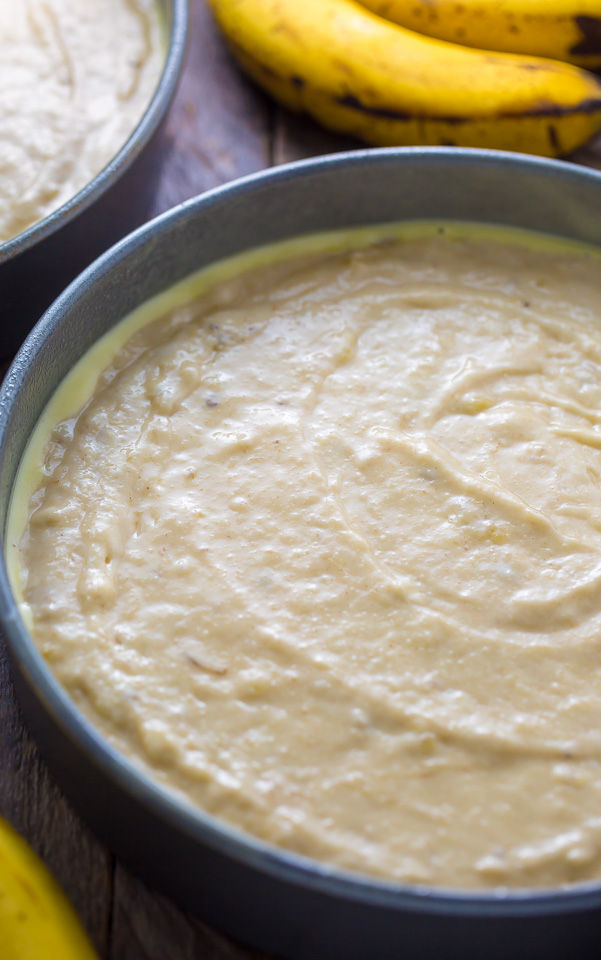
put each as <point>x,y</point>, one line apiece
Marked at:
<point>359,74</point>
<point>560,29</point>
<point>36,920</point>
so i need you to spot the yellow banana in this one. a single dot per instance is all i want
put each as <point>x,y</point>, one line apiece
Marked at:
<point>36,920</point>
<point>359,74</point>
<point>561,29</point>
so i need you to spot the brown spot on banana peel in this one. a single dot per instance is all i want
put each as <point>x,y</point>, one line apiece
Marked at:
<point>590,45</point>
<point>554,139</point>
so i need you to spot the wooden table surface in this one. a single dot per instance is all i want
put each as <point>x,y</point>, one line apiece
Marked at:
<point>219,128</point>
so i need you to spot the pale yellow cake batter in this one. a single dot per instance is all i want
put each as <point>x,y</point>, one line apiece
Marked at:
<point>323,553</point>
<point>76,76</point>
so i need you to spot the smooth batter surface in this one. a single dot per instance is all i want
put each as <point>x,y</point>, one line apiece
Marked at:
<point>76,77</point>
<point>323,552</point>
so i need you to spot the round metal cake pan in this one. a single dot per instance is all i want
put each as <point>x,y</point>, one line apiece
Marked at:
<point>39,262</point>
<point>278,901</point>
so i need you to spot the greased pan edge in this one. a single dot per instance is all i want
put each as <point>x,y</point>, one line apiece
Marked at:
<point>38,263</point>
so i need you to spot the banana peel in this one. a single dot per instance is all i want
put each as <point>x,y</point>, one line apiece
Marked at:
<point>359,74</point>
<point>567,30</point>
<point>36,920</point>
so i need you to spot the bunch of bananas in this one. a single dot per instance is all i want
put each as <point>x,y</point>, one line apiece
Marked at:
<point>36,921</point>
<point>369,73</point>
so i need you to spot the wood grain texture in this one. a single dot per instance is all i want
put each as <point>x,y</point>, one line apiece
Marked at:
<point>296,137</point>
<point>219,128</point>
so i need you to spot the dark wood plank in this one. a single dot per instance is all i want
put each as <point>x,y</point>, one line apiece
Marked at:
<point>149,927</point>
<point>219,126</point>
<point>297,137</point>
